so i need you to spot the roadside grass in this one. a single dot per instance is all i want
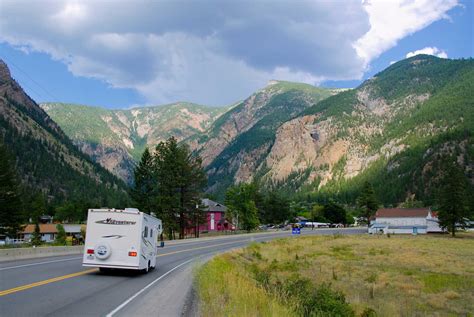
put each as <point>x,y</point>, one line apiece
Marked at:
<point>226,290</point>
<point>343,276</point>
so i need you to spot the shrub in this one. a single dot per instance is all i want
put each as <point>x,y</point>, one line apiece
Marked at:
<point>319,300</point>
<point>61,235</point>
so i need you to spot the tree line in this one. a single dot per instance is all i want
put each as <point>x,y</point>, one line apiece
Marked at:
<point>170,182</point>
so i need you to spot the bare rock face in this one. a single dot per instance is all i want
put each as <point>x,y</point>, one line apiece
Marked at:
<point>237,123</point>
<point>336,147</point>
<point>115,159</point>
<point>301,145</point>
<point>247,164</point>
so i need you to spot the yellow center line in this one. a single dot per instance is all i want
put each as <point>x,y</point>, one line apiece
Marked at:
<point>51,280</point>
<point>60,278</point>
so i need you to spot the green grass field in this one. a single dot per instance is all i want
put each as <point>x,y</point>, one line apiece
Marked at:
<point>343,276</point>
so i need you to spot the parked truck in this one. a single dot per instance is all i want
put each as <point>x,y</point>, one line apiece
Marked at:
<point>121,239</point>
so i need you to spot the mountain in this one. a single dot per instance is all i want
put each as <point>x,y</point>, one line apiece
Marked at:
<point>393,130</point>
<point>237,143</point>
<point>46,159</point>
<point>116,138</point>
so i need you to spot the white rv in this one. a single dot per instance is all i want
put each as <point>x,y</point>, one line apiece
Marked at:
<point>121,239</point>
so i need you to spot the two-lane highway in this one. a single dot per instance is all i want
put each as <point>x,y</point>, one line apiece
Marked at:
<point>59,286</point>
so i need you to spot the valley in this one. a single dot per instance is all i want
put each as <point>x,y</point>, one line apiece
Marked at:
<point>392,129</point>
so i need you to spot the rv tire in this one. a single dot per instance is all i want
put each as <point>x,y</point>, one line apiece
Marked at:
<point>104,270</point>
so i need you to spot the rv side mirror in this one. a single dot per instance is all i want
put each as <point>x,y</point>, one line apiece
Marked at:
<point>162,244</point>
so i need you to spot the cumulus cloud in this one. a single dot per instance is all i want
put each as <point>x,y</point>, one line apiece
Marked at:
<point>429,51</point>
<point>392,20</point>
<point>210,51</point>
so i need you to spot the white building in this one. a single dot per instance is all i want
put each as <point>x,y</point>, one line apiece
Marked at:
<point>405,221</point>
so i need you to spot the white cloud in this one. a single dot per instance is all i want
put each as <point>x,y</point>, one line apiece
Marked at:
<point>392,20</point>
<point>429,51</point>
<point>210,51</point>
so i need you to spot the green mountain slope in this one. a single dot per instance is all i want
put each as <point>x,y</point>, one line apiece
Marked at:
<point>46,159</point>
<point>393,130</point>
<point>116,138</point>
<point>235,145</point>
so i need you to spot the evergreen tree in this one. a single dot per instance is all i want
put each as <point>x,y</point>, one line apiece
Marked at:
<point>38,207</point>
<point>36,237</point>
<point>367,202</point>
<point>181,182</point>
<point>10,203</point>
<point>145,183</point>
<point>276,208</point>
<point>453,210</point>
<point>170,183</point>
<point>241,206</point>
<point>334,212</point>
<point>61,235</point>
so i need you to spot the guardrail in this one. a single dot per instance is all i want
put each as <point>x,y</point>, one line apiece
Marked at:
<point>11,254</point>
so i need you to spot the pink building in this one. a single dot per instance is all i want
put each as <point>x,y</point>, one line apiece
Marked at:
<point>215,217</point>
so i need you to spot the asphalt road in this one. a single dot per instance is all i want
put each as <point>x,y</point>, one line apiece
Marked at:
<point>60,286</point>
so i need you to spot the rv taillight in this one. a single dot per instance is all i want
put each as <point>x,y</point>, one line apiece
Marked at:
<point>90,251</point>
<point>132,253</point>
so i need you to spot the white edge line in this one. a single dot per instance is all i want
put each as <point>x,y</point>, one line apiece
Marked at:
<point>37,263</point>
<point>144,289</point>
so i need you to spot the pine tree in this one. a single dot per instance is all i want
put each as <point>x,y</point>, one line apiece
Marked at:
<point>334,212</point>
<point>170,183</point>
<point>453,211</point>
<point>36,237</point>
<point>144,185</point>
<point>276,208</point>
<point>10,203</point>
<point>367,202</point>
<point>61,235</point>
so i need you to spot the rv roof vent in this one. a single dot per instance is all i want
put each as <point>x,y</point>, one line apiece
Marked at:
<point>132,210</point>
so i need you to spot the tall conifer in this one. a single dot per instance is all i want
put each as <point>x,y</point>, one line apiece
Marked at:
<point>10,202</point>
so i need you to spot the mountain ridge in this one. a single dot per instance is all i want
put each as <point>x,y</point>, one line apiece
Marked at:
<point>300,138</point>
<point>46,159</point>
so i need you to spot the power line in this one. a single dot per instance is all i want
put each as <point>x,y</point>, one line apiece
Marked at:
<point>34,81</point>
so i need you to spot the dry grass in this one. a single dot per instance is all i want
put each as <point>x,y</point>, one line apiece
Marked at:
<point>226,290</point>
<point>396,276</point>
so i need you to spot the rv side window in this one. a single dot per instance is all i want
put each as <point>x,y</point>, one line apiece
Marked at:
<point>151,233</point>
<point>145,233</point>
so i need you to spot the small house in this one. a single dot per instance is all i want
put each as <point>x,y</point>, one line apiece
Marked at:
<point>48,232</point>
<point>405,221</point>
<point>215,216</point>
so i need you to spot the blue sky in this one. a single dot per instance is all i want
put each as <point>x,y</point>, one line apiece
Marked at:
<point>216,53</point>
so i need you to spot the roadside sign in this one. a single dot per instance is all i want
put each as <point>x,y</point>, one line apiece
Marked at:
<point>296,230</point>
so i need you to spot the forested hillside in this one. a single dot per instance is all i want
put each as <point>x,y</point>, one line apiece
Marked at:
<point>395,130</point>
<point>237,143</point>
<point>46,161</point>
<point>116,139</point>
